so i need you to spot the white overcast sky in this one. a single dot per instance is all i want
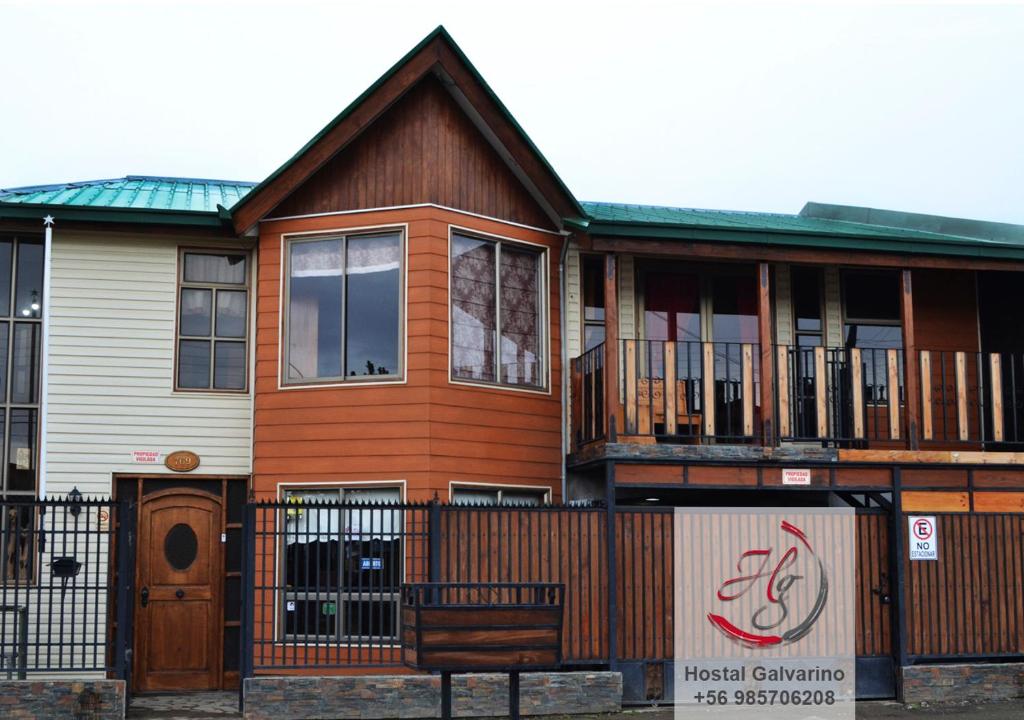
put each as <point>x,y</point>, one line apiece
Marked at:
<point>761,106</point>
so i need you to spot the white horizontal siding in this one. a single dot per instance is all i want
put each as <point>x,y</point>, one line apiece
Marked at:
<point>112,324</point>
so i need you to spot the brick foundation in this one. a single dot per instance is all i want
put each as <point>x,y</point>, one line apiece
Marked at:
<point>419,696</point>
<point>990,682</point>
<point>62,699</point>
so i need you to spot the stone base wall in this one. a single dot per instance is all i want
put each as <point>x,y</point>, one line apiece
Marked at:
<point>62,699</point>
<point>989,682</point>
<point>377,697</point>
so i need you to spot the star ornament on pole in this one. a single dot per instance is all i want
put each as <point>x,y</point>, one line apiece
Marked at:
<point>48,221</point>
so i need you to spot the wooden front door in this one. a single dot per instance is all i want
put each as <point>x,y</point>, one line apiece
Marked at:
<point>178,599</point>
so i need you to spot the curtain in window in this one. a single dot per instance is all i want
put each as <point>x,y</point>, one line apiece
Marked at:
<point>314,309</point>
<point>520,317</point>
<point>473,309</point>
<point>327,522</point>
<point>209,268</point>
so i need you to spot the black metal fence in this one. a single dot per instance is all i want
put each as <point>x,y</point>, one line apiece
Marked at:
<point>59,586</point>
<point>588,396</point>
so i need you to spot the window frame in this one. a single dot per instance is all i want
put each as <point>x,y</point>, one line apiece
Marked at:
<point>212,338</point>
<point>337,639</point>
<point>544,311</point>
<point>544,491</point>
<point>284,304</point>
<point>585,322</point>
<point>822,333</point>
<point>848,320</point>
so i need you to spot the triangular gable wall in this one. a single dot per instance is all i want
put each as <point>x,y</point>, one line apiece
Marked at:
<point>424,149</point>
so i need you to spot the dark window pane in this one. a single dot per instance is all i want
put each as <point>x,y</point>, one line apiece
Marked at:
<point>373,295</point>
<point>231,648</point>
<point>4,330</point>
<point>806,289</point>
<point>181,546</point>
<point>521,332</point>
<point>195,311</point>
<point>231,312</point>
<point>6,247</point>
<point>220,269</point>
<point>314,310</point>
<point>194,364</point>
<point>593,287</point>
<point>872,295</point>
<point>25,361</point>
<point>29,297</point>
<point>310,617</point>
<point>734,308</point>
<point>594,336</point>
<point>229,366</point>
<point>233,550</point>
<point>863,335</point>
<point>473,308</point>
<point>21,451</point>
<point>371,618</point>
<point>671,306</point>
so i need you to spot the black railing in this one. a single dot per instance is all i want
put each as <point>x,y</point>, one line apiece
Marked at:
<point>691,390</point>
<point>971,397</point>
<point>59,587</point>
<point>840,395</point>
<point>588,413</point>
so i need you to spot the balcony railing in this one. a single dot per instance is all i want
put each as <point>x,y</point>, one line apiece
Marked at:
<point>700,392</point>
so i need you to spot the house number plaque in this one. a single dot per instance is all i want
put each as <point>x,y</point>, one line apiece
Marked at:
<point>182,461</point>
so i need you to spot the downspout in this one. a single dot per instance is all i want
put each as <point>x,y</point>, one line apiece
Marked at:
<point>566,371</point>
<point>44,362</point>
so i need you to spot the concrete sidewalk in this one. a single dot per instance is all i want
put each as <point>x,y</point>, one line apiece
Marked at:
<point>222,706</point>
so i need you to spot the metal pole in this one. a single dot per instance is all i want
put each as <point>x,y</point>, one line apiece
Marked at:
<point>898,569</point>
<point>513,695</point>
<point>248,610</point>
<point>125,589</point>
<point>446,695</point>
<point>613,639</point>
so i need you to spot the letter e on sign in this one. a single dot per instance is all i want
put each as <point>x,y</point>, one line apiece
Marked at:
<point>924,540</point>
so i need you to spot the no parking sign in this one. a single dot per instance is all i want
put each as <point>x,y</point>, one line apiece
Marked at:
<point>924,542</point>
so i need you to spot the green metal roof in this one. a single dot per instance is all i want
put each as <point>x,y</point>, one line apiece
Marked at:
<point>135,192</point>
<point>813,227</point>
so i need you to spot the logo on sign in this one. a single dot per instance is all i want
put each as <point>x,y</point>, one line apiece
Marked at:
<point>924,545</point>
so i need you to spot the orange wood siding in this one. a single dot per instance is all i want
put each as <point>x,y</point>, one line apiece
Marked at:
<point>426,431</point>
<point>423,150</point>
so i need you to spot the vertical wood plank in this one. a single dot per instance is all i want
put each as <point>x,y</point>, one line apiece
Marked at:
<point>892,361</point>
<point>631,394</point>
<point>927,426</point>
<point>857,391</point>
<point>782,373</point>
<point>611,344</point>
<point>747,373</point>
<point>820,392</point>
<point>708,375</point>
<point>963,429</point>
<point>910,352</point>
<point>764,338</point>
<point>996,385</point>
<point>670,388</point>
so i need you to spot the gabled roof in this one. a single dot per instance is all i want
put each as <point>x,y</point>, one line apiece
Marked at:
<point>437,53</point>
<point>133,198</point>
<point>813,227</point>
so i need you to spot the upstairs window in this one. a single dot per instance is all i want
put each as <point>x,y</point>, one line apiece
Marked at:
<point>213,321</point>
<point>497,312</point>
<point>872,308</point>
<point>344,308</point>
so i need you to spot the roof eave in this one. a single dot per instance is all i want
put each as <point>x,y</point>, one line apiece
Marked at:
<point>191,218</point>
<point>656,231</point>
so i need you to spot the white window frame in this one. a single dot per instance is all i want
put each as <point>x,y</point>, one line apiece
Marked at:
<point>544,308</point>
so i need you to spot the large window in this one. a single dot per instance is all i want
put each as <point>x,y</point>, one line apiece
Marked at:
<point>871,302</point>
<point>497,320</point>
<point>343,564</point>
<point>21,299</point>
<point>344,308</point>
<point>489,496</point>
<point>213,321</point>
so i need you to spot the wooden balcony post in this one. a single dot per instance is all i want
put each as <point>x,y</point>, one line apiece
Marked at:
<point>910,364</point>
<point>764,337</point>
<point>611,345</point>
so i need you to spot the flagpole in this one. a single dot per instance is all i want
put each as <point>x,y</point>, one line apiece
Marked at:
<point>44,367</point>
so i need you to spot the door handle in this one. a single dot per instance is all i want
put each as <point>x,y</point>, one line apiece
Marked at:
<point>179,593</point>
<point>145,596</point>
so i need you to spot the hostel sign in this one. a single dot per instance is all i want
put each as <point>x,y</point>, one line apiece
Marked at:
<point>924,542</point>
